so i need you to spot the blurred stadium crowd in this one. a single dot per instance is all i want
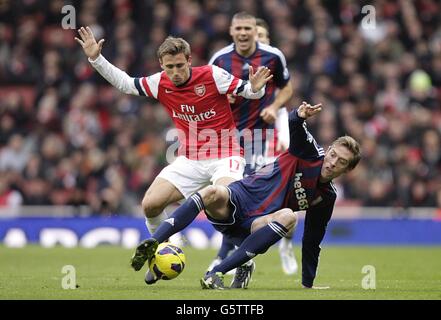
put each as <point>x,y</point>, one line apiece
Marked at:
<point>66,137</point>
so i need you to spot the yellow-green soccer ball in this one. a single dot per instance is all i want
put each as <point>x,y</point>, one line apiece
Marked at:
<point>168,261</point>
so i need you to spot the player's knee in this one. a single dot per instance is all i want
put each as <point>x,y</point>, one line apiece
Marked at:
<point>150,207</point>
<point>287,218</point>
<point>209,194</point>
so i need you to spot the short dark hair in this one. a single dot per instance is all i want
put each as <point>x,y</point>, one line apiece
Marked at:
<point>174,46</point>
<point>243,15</point>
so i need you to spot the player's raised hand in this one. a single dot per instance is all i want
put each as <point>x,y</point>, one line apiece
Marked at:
<point>306,110</point>
<point>91,48</point>
<point>260,78</point>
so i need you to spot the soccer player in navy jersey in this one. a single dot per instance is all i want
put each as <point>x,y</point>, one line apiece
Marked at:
<point>257,211</point>
<point>255,119</point>
<point>196,100</point>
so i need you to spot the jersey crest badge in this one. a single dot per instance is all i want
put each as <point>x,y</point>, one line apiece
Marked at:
<point>199,90</point>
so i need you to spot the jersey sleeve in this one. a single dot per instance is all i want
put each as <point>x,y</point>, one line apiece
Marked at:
<point>316,222</point>
<point>302,143</point>
<point>148,86</point>
<point>122,81</point>
<point>226,83</point>
<point>281,72</point>
<point>282,125</point>
<point>213,60</point>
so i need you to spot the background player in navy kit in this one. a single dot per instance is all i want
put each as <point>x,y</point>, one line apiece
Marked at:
<point>261,114</point>
<point>253,118</point>
<point>259,210</point>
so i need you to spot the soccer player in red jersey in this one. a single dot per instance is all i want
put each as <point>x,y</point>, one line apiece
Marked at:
<point>196,100</point>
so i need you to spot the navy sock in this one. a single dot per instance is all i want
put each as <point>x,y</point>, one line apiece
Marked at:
<point>256,243</point>
<point>225,248</point>
<point>180,219</point>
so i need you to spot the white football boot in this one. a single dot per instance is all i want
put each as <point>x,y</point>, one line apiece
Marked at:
<point>287,257</point>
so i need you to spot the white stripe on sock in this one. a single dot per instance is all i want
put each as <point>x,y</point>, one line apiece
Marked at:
<point>198,201</point>
<point>201,204</point>
<point>277,229</point>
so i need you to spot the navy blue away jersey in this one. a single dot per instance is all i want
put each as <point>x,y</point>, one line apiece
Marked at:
<point>292,181</point>
<point>246,113</point>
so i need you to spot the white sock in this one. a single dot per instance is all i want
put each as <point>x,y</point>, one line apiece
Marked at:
<point>285,242</point>
<point>153,223</point>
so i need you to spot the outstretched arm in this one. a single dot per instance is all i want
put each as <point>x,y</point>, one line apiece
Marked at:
<point>253,89</point>
<point>302,144</point>
<point>116,77</point>
<point>316,222</point>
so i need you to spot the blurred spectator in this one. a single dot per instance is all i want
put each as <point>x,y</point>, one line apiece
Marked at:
<point>15,155</point>
<point>420,195</point>
<point>9,197</point>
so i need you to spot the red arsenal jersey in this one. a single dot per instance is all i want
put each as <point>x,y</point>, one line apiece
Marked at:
<point>200,110</point>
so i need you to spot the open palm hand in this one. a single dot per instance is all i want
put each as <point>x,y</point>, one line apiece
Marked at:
<point>91,48</point>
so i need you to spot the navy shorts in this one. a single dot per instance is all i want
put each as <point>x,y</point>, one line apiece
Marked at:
<point>238,225</point>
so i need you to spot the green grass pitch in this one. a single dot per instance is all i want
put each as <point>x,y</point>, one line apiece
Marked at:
<point>104,273</point>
